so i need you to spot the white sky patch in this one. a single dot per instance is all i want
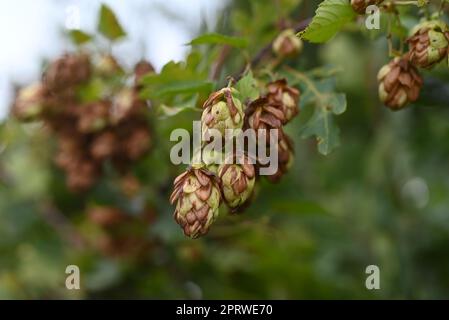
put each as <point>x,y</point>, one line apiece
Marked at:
<point>31,32</point>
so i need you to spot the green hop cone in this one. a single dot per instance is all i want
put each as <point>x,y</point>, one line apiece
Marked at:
<point>198,198</point>
<point>429,43</point>
<point>222,111</point>
<point>30,101</point>
<point>237,181</point>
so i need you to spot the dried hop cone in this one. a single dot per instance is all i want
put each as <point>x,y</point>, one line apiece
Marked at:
<point>67,71</point>
<point>222,111</point>
<point>399,83</point>
<point>141,69</point>
<point>126,103</point>
<point>94,116</point>
<point>237,181</point>
<point>107,66</point>
<point>262,116</point>
<point>429,43</point>
<point>285,155</point>
<point>287,44</point>
<point>360,6</point>
<point>197,193</point>
<point>30,102</point>
<point>285,98</point>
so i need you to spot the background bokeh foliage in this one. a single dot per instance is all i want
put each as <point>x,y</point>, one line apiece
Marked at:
<point>381,197</point>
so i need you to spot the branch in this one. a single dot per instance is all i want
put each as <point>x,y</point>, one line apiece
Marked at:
<point>266,51</point>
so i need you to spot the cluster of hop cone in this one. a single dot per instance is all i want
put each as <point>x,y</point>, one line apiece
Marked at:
<point>204,186</point>
<point>108,126</point>
<point>399,81</point>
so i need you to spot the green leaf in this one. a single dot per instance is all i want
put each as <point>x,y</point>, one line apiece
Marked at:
<point>79,37</point>
<point>329,19</point>
<point>327,103</point>
<point>322,123</point>
<point>216,38</point>
<point>181,87</point>
<point>247,88</point>
<point>108,24</point>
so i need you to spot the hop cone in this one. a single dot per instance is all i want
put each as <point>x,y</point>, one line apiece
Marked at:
<point>429,43</point>
<point>108,66</point>
<point>222,111</point>
<point>284,149</point>
<point>198,198</point>
<point>285,98</point>
<point>237,181</point>
<point>287,44</point>
<point>141,69</point>
<point>261,115</point>
<point>68,71</point>
<point>399,83</point>
<point>94,116</point>
<point>30,102</point>
<point>360,6</point>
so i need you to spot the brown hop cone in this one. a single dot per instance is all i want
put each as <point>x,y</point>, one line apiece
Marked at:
<point>222,110</point>
<point>131,186</point>
<point>108,66</point>
<point>284,97</point>
<point>94,116</point>
<point>261,115</point>
<point>198,198</point>
<point>399,83</point>
<point>104,145</point>
<point>429,43</point>
<point>285,153</point>
<point>141,69</point>
<point>82,175</point>
<point>137,143</point>
<point>360,6</point>
<point>125,104</point>
<point>30,102</point>
<point>70,151</point>
<point>287,44</point>
<point>237,181</point>
<point>68,71</point>
<point>106,216</point>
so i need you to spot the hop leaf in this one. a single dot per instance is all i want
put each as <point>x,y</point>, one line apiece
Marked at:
<point>109,25</point>
<point>331,16</point>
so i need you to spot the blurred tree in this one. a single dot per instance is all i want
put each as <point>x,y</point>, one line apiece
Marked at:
<point>380,198</point>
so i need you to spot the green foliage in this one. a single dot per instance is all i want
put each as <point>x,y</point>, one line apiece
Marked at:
<point>79,37</point>
<point>108,24</point>
<point>380,198</point>
<point>247,87</point>
<point>215,38</point>
<point>331,16</point>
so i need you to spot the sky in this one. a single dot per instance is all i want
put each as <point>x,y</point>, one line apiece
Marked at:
<point>31,31</point>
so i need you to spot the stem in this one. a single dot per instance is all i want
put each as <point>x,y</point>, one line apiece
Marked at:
<point>218,66</point>
<point>266,51</point>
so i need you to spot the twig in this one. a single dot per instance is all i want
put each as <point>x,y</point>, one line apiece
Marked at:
<point>218,65</point>
<point>266,51</point>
